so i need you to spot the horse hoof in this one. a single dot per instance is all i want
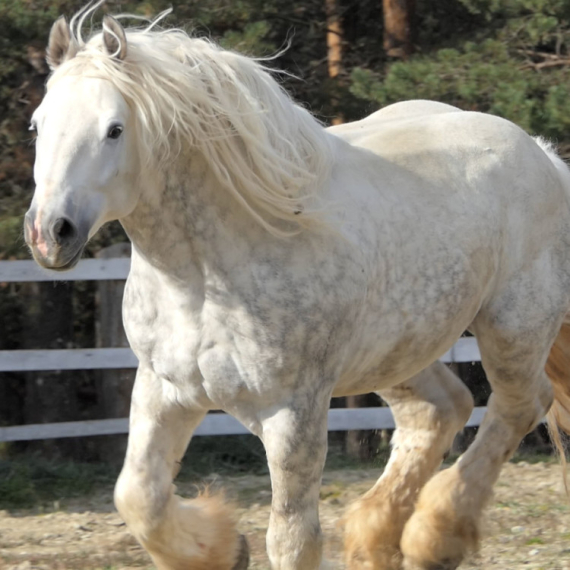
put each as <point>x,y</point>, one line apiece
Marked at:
<point>243,556</point>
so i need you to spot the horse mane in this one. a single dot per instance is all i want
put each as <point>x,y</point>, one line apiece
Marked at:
<point>270,153</point>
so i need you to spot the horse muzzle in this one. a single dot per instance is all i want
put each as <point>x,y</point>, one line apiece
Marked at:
<point>56,244</point>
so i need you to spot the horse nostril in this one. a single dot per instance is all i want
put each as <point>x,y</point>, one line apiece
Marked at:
<point>63,230</point>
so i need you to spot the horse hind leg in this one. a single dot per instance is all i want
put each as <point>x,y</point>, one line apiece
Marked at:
<point>198,534</point>
<point>429,409</point>
<point>444,527</point>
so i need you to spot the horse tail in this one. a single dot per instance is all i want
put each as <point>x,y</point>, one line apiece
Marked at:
<point>558,370</point>
<point>558,363</point>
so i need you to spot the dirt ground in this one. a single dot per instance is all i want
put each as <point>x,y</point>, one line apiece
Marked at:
<point>527,525</point>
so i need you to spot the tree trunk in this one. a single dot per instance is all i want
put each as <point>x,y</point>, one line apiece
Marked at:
<point>334,49</point>
<point>334,37</point>
<point>398,27</point>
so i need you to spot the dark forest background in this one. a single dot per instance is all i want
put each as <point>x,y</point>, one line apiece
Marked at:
<point>347,59</point>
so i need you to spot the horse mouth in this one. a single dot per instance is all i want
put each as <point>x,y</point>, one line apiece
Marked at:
<point>59,262</point>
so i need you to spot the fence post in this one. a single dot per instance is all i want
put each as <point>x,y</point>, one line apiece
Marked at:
<point>50,396</point>
<point>362,444</point>
<point>113,386</point>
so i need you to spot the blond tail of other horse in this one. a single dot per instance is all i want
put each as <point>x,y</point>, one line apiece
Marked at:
<point>558,370</point>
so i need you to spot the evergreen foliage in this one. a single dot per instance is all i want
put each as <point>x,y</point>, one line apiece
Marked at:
<point>515,63</point>
<point>509,57</point>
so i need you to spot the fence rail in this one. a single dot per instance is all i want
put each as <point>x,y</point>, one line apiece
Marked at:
<point>67,359</point>
<point>85,270</point>
<point>339,419</point>
<point>465,350</point>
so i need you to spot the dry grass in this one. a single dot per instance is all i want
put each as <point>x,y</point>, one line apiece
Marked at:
<point>526,527</point>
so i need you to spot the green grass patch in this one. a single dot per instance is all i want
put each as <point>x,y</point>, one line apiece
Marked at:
<point>31,481</point>
<point>245,454</point>
<point>508,504</point>
<point>534,540</point>
<point>533,458</point>
<point>337,458</point>
<point>28,481</point>
<point>229,455</point>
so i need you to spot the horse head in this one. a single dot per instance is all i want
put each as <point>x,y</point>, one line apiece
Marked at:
<point>86,169</point>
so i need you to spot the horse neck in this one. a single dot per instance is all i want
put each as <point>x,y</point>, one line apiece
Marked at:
<point>184,219</point>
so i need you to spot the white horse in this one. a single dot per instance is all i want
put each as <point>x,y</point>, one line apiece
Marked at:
<point>276,264</point>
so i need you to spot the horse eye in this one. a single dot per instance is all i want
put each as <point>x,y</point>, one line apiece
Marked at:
<point>115,132</point>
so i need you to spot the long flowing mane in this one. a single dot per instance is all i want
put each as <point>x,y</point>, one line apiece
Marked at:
<point>271,154</point>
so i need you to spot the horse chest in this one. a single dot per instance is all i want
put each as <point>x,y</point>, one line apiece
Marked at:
<point>250,347</point>
<point>162,327</point>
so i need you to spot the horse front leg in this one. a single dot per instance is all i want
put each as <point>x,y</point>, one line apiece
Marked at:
<point>178,534</point>
<point>295,439</point>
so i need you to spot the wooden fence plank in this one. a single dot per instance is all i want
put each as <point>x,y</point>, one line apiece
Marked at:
<point>64,429</point>
<point>85,270</point>
<point>67,359</point>
<point>213,424</point>
<point>465,350</point>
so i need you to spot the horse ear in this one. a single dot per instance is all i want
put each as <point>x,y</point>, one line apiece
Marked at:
<point>61,44</point>
<point>114,37</point>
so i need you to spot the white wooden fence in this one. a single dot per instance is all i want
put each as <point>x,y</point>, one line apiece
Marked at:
<point>465,350</point>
